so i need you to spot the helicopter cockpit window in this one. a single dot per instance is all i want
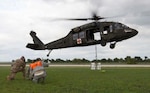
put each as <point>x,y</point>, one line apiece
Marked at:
<point>81,35</point>
<point>118,26</point>
<point>75,36</point>
<point>124,26</point>
<point>105,32</point>
<point>106,29</point>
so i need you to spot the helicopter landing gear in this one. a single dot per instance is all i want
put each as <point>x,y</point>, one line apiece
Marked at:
<point>112,45</point>
<point>103,43</point>
<point>49,53</point>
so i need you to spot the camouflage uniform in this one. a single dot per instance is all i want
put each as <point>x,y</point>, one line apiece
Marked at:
<point>17,66</point>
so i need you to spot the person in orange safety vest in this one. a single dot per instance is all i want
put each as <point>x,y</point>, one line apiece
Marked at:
<point>38,62</point>
<point>32,66</point>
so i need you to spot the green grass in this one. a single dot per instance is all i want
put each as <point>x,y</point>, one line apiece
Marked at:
<point>81,80</point>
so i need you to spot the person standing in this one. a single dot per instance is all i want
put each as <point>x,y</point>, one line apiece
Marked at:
<point>17,66</point>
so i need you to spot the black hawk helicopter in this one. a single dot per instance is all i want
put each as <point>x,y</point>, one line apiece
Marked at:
<point>84,35</point>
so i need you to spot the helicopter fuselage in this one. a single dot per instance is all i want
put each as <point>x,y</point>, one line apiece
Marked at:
<point>88,34</point>
<point>91,34</point>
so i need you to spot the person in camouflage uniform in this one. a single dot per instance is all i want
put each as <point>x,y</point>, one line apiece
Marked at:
<point>17,66</point>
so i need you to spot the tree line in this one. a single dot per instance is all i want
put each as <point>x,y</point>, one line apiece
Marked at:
<point>127,60</point>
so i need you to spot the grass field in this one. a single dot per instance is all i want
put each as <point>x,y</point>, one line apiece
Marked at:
<point>81,80</point>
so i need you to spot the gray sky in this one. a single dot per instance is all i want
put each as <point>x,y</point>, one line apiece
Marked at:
<point>19,17</point>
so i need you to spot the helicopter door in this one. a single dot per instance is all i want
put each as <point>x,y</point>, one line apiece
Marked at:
<point>90,35</point>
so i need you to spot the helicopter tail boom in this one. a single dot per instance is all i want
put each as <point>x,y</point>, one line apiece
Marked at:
<point>37,45</point>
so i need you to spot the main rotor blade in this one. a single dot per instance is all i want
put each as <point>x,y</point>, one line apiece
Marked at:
<point>83,19</point>
<point>78,19</point>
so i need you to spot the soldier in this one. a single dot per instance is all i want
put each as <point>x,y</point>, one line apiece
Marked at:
<point>17,66</point>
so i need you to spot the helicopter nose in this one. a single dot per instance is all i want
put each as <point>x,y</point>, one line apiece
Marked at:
<point>134,32</point>
<point>131,32</point>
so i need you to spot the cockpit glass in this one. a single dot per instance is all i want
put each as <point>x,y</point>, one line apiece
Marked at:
<point>124,26</point>
<point>118,26</point>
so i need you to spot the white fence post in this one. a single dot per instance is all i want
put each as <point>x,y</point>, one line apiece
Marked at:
<point>93,66</point>
<point>99,66</point>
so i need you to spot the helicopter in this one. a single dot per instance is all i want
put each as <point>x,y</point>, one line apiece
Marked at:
<point>85,35</point>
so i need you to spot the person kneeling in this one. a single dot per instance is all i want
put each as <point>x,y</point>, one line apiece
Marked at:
<point>37,72</point>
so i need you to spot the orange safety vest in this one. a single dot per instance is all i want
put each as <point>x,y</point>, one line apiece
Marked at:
<point>39,63</point>
<point>33,65</point>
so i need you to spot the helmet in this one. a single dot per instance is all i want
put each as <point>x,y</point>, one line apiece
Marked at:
<point>38,59</point>
<point>23,58</point>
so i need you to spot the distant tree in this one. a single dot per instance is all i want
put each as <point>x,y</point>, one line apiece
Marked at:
<point>109,60</point>
<point>130,60</point>
<point>138,59</point>
<point>52,60</point>
<point>68,61</point>
<point>76,60</point>
<point>79,61</point>
<point>103,60</point>
<point>85,60</point>
<point>59,60</point>
<point>146,58</point>
<point>29,60</point>
<point>96,60</point>
<point>116,60</point>
<point>46,60</point>
<point>127,58</point>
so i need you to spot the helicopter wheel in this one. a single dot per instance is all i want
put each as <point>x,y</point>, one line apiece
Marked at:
<point>112,46</point>
<point>103,43</point>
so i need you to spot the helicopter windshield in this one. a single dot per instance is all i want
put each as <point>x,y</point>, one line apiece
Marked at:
<point>124,26</point>
<point>120,26</point>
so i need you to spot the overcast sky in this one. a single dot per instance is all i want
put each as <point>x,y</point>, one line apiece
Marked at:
<point>19,17</point>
